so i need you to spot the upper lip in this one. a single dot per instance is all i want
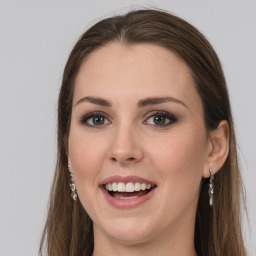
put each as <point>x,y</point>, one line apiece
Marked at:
<point>126,179</point>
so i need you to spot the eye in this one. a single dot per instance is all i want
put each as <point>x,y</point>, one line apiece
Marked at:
<point>160,119</point>
<point>95,119</point>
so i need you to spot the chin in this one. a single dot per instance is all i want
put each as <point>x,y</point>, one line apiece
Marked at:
<point>129,237</point>
<point>129,231</point>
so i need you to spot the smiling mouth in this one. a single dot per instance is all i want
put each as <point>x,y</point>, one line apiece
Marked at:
<point>126,191</point>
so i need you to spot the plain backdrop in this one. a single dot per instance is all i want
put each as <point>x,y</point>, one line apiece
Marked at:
<point>35,40</point>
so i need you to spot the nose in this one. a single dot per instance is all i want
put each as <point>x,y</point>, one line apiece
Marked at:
<point>126,147</point>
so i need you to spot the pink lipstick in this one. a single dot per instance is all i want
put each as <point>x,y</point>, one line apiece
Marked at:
<point>127,192</point>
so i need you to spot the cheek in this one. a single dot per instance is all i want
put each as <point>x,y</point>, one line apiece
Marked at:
<point>180,160</point>
<point>86,154</point>
<point>180,149</point>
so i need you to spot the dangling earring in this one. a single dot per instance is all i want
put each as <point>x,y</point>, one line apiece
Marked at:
<point>72,186</point>
<point>211,187</point>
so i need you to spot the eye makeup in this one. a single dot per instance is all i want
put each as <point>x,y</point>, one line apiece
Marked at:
<point>157,119</point>
<point>160,118</point>
<point>95,119</point>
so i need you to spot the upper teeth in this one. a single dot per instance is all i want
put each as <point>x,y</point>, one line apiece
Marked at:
<point>129,187</point>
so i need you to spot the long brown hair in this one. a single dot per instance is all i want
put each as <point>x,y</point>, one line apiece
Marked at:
<point>68,229</point>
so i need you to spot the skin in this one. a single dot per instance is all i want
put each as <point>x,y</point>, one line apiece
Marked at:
<point>175,156</point>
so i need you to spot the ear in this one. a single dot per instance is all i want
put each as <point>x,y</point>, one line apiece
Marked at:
<point>218,148</point>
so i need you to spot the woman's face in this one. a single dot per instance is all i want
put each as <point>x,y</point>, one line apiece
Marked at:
<point>137,126</point>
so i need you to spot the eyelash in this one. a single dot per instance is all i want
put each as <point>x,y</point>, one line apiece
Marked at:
<point>166,115</point>
<point>172,119</point>
<point>84,120</point>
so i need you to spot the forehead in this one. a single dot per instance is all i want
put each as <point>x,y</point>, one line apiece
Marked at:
<point>142,70</point>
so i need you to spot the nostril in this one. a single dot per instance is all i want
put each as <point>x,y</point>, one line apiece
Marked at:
<point>113,159</point>
<point>130,159</point>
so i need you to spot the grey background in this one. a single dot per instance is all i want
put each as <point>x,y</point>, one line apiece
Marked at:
<point>35,40</point>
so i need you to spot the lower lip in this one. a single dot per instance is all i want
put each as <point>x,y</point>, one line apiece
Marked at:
<point>126,203</point>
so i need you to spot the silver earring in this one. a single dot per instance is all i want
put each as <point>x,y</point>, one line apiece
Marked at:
<point>72,186</point>
<point>211,187</point>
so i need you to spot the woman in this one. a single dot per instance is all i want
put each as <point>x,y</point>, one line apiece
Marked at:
<point>146,143</point>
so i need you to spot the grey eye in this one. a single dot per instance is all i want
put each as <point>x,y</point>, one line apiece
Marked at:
<point>94,120</point>
<point>161,119</point>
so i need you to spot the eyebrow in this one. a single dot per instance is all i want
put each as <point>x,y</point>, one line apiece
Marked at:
<point>159,100</point>
<point>95,100</point>
<point>141,103</point>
